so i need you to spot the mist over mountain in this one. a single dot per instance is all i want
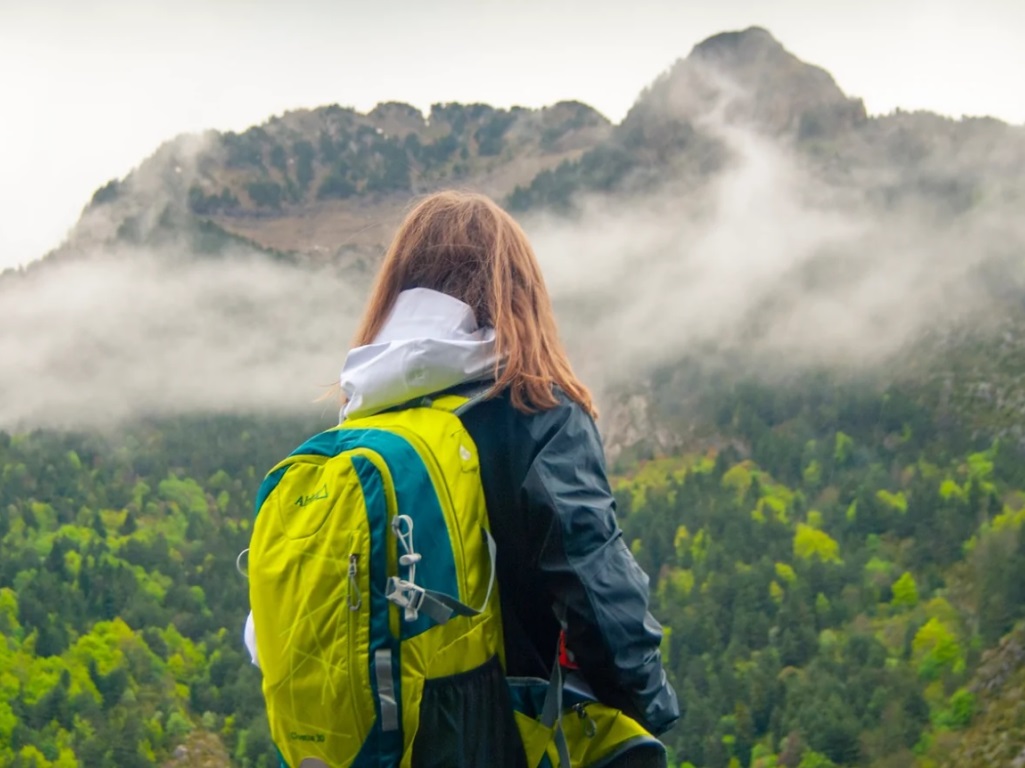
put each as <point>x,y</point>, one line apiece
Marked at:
<point>746,209</point>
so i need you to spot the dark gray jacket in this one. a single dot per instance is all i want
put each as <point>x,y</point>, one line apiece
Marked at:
<point>561,552</point>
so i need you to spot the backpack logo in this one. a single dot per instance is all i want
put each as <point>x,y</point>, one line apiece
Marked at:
<point>315,737</point>
<point>303,501</point>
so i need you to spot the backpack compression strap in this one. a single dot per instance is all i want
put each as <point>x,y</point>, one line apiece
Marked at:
<point>551,713</point>
<point>437,605</point>
<point>457,401</point>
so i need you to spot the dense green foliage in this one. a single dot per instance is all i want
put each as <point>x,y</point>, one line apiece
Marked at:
<point>829,579</point>
<point>120,605</point>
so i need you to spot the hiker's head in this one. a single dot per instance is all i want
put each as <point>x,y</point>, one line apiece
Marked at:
<point>464,245</point>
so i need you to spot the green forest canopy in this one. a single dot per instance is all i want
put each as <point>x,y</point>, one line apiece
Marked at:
<point>828,584</point>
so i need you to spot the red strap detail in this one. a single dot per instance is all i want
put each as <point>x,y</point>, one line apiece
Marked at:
<point>564,658</point>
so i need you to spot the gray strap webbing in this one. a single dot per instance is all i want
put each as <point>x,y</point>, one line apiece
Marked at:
<point>474,397</point>
<point>552,707</point>
<point>386,690</point>
<point>551,713</point>
<point>562,746</point>
<point>440,607</point>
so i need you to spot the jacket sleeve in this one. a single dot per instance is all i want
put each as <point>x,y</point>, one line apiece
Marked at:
<point>599,592</point>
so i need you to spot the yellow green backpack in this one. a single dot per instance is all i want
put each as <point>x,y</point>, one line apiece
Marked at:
<point>371,572</point>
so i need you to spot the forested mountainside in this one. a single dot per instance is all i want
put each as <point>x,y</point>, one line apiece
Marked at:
<point>803,323</point>
<point>837,581</point>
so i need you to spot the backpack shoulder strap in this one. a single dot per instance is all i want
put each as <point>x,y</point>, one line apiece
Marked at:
<point>461,400</point>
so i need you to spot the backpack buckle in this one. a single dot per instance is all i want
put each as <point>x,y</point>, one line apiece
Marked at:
<point>406,595</point>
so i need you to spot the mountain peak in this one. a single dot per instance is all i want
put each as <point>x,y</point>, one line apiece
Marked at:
<point>758,62</point>
<point>753,79</point>
<point>752,42</point>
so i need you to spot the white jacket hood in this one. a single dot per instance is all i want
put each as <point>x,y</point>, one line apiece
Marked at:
<point>430,342</point>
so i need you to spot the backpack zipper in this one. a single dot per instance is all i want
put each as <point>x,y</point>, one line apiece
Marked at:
<point>355,618</point>
<point>354,605</point>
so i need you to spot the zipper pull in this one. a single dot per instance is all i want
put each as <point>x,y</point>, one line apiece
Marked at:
<point>590,727</point>
<point>354,604</point>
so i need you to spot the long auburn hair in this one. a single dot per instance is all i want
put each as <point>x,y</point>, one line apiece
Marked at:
<point>464,245</point>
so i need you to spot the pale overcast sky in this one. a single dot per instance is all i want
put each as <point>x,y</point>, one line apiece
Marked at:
<point>90,88</point>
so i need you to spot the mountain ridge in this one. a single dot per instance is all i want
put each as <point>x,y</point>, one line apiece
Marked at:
<point>328,182</point>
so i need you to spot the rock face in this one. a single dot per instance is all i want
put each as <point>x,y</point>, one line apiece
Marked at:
<point>201,749</point>
<point>628,425</point>
<point>995,737</point>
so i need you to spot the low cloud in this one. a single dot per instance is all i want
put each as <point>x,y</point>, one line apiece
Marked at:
<point>98,340</point>
<point>774,263</point>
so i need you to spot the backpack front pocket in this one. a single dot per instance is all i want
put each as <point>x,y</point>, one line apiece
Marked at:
<point>316,675</point>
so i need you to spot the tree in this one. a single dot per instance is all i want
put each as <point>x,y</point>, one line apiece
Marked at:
<point>811,543</point>
<point>905,592</point>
